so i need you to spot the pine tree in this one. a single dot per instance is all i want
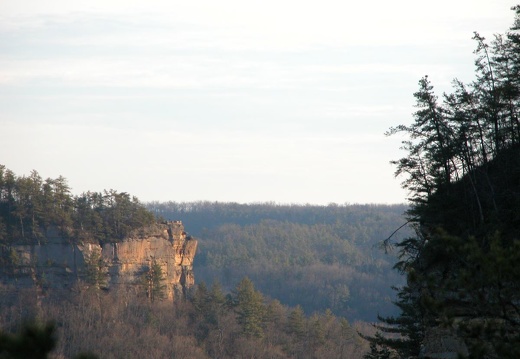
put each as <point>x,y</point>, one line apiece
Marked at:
<point>462,171</point>
<point>96,270</point>
<point>154,276</point>
<point>250,308</point>
<point>34,341</point>
<point>296,322</point>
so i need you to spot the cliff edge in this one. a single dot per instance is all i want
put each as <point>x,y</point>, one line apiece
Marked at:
<point>60,264</point>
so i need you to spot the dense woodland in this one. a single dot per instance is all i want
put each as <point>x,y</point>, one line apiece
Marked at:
<point>318,257</point>
<point>30,205</point>
<point>462,169</point>
<point>90,323</point>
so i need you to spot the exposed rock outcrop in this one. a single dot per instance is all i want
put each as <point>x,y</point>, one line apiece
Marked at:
<point>60,264</point>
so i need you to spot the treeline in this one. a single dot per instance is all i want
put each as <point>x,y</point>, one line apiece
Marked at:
<point>209,324</point>
<point>318,257</point>
<point>29,206</point>
<point>462,155</point>
<point>201,215</point>
<point>463,173</point>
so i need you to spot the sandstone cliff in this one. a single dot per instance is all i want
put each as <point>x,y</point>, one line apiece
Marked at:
<point>59,264</point>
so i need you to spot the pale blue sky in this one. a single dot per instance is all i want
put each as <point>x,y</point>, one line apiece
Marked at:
<point>283,101</point>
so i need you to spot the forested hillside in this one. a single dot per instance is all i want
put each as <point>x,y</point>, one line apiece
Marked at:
<point>319,257</point>
<point>90,323</point>
<point>462,169</point>
<point>291,247</point>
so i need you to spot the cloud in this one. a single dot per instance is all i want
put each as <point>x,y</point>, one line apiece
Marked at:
<point>227,100</point>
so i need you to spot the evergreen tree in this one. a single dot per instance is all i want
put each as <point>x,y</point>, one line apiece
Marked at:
<point>217,304</point>
<point>316,332</point>
<point>29,206</point>
<point>154,276</point>
<point>462,172</point>
<point>96,270</point>
<point>296,322</point>
<point>249,308</point>
<point>34,341</point>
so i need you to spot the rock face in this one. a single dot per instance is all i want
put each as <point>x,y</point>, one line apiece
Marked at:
<point>60,265</point>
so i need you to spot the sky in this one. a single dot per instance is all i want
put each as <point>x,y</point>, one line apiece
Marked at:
<point>234,101</point>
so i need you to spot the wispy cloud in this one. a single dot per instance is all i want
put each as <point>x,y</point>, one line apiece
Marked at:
<point>226,100</point>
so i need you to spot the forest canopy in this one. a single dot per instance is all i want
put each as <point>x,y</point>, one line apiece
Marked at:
<point>318,257</point>
<point>30,205</point>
